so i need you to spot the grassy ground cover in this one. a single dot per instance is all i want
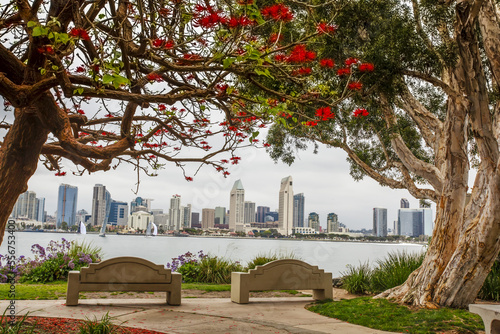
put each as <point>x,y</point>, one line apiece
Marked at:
<point>383,315</point>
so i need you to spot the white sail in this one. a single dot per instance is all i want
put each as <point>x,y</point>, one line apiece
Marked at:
<point>83,229</point>
<point>103,230</point>
<point>155,229</point>
<point>148,230</point>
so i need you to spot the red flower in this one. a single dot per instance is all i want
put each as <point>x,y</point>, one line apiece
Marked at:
<point>80,111</point>
<point>327,62</point>
<point>189,178</point>
<point>158,42</point>
<point>108,115</point>
<point>351,61</point>
<point>311,123</point>
<point>366,67</point>
<point>325,113</point>
<point>226,173</point>
<point>267,145</point>
<point>324,28</point>
<point>300,54</point>
<point>162,107</point>
<point>278,12</point>
<point>280,57</point>
<point>169,44</point>
<point>275,38</point>
<point>46,49</point>
<point>79,33</point>
<point>60,173</point>
<point>356,85</point>
<point>80,69</point>
<point>360,112</point>
<point>154,77</point>
<point>343,71</point>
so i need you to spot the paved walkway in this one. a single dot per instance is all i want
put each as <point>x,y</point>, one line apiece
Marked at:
<point>199,315</point>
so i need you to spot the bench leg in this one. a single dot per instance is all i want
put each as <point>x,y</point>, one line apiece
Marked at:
<point>322,294</point>
<point>73,289</point>
<point>174,295</point>
<point>240,292</point>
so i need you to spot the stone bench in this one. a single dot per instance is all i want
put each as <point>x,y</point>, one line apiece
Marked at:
<point>490,315</point>
<point>281,275</point>
<point>124,274</point>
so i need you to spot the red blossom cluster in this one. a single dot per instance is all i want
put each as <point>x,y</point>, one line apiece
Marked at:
<point>241,21</point>
<point>300,54</point>
<point>324,28</point>
<point>189,178</point>
<point>351,61</point>
<point>48,49</point>
<point>79,33</point>
<point>275,37</point>
<point>360,112</point>
<point>366,67</point>
<point>343,71</point>
<point>267,145</point>
<point>154,77</point>
<point>325,113</point>
<point>277,12</point>
<point>80,111</point>
<point>60,173</point>
<point>158,43</point>
<point>356,85</point>
<point>235,160</point>
<point>302,71</point>
<point>327,62</point>
<point>80,69</point>
<point>108,115</point>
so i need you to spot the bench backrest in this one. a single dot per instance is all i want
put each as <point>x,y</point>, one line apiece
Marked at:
<point>125,270</point>
<point>286,274</point>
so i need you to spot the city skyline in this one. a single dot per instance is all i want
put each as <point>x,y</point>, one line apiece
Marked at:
<point>314,175</point>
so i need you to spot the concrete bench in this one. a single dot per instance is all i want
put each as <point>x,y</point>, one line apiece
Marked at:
<point>281,275</point>
<point>124,274</point>
<point>490,315</point>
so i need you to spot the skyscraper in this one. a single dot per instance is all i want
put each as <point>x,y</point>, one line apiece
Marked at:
<point>66,205</point>
<point>118,213</point>
<point>285,219</point>
<point>298,210</point>
<point>415,222</point>
<point>101,205</point>
<point>139,201</point>
<point>40,209</point>
<point>220,215</point>
<point>175,213</point>
<point>249,212</point>
<point>237,207</point>
<point>195,219</point>
<point>262,213</point>
<point>405,204</point>
<point>380,222</point>
<point>186,216</point>
<point>207,218</point>
<point>332,223</point>
<point>314,221</point>
<point>26,206</point>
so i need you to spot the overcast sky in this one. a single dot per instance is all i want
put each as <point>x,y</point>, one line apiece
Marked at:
<point>323,178</point>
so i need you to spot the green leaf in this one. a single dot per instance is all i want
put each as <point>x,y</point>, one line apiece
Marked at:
<point>101,16</point>
<point>32,24</point>
<point>106,79</point>
<point>55,67</point>
<point>39,31</point>
<point>228,62</point>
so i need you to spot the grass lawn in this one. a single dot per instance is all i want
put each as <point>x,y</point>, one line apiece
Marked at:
<point>383,315</point>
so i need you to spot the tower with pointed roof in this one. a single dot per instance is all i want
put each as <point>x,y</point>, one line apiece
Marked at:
<point>285,222</point>
<point>237,207</point>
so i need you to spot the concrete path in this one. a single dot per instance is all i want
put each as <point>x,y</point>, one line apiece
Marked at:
<point>199,315</point>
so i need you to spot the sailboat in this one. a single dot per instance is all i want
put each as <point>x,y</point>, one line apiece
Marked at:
<point>151,230</point>
<point>82,229</point>
<point>103,230</point>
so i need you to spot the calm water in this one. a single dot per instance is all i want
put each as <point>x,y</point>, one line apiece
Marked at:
<point>330,256</point>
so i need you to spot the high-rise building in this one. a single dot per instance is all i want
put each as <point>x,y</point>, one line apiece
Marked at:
<point>237,207</point>
<point>140,204</point>
<point>298,210</point>
<point>405,204</point>
<point>380,222</point>
<point>272,216</point>
<point>174,213</point>
<point>332,223</point>
<point>285,221</point>
<point>26,206</point>
<point>207,218</point>
<point>186,216</point>
<point>314,221</point>
<point>40,209</point>
<point>66,205</point>
<point>101,205</point>
<point>415,222</point>
<point>118,213</point>
<point>195,219</point>
<point>249,212</point>
<point>220,215</point>
<point>262,213</point>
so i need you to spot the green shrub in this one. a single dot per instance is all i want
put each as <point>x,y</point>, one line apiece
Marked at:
<point>357,279</point>
<point>6,327</point>
<point>262,259</point>
<point>103,326</point>
<point>491,286</point>
<point>213,269</point>
<point>394,270</point>
<point>190,272</point>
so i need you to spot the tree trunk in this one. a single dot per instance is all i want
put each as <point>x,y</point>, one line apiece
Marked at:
<point>19,158</point>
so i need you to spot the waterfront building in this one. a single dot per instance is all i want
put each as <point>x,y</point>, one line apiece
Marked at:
<point>186,216</point>
<point>101,205</point>
<point>405,204</point>
<point>140,204</point>
<point>237,207</point>
<point>118,213</point>
<point>304,230</point>
<point>298,210</point>
<point>415,222</point>
<point>66,205</point>
<point>174,213</point>
<point>195,219</point>
<point>40,209</point>
<point>261,213</point>
<point>207,218</point>
<point>314,221</point>
<point>139,220</point>
<point>249,212</point>
<point>26,206</point>
<point>332,223</point>
<point>380,222</point>
<point>272,216</point>
<point>220,215</point>
<point>285,219</point>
